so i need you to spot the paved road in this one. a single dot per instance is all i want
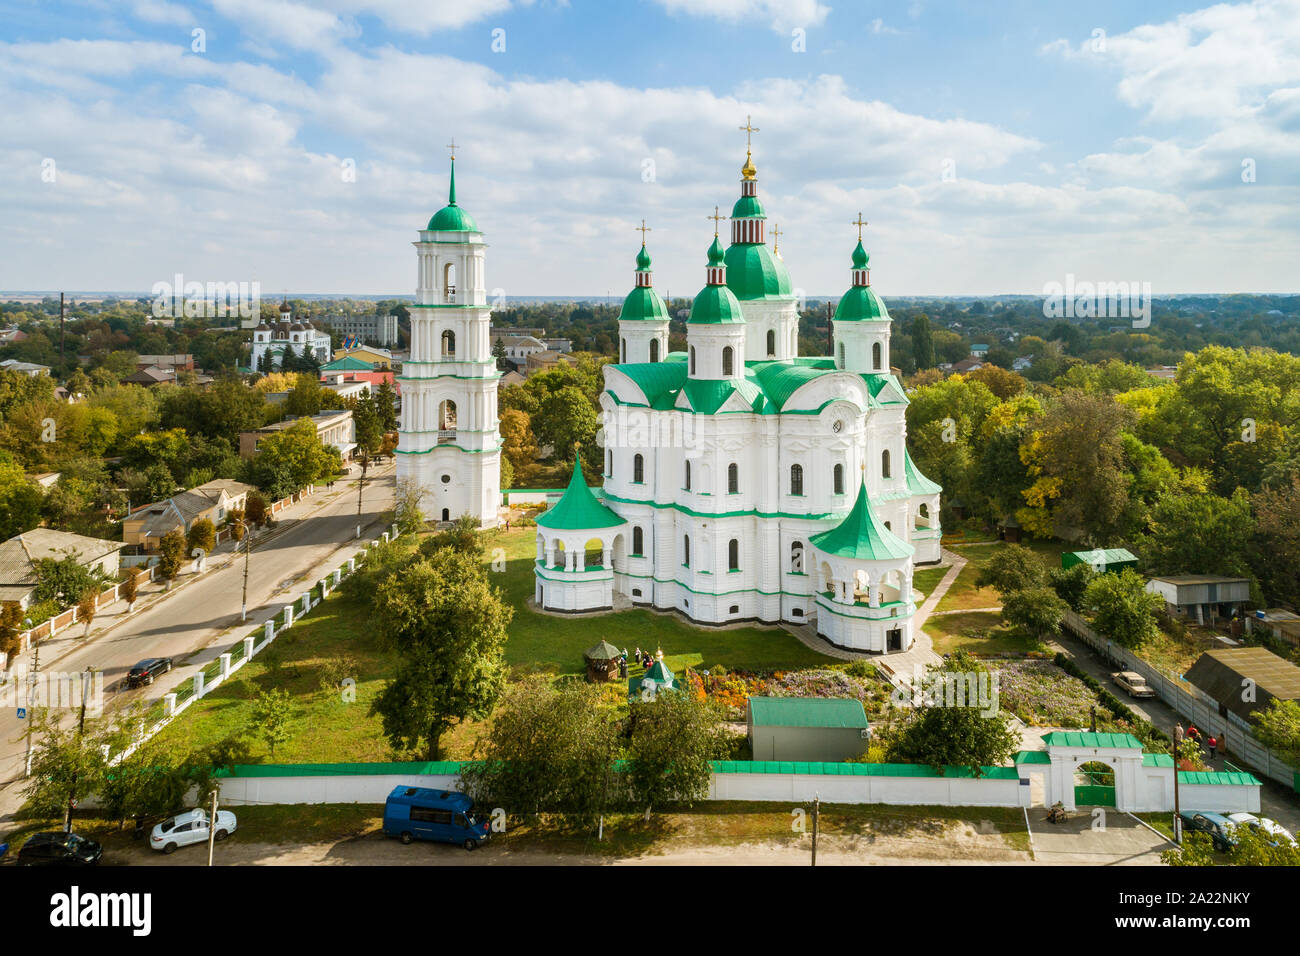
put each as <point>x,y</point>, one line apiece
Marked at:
<point>204,613</point>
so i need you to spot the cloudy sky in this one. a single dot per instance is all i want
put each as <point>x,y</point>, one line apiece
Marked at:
<point>992,148</point>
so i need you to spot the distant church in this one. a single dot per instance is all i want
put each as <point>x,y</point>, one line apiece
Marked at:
<point>742,481</point>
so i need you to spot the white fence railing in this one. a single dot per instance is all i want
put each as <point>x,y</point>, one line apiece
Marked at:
<point>1234,734</point>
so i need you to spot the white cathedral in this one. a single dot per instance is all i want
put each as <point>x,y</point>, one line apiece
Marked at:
<point>743,482</point>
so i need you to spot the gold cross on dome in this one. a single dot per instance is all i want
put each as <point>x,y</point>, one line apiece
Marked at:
<point>748,129</point>
<point>776,236</point>
<point>716,219</point>
<point>452,146</point>
<point>859,222</point>
<point>643,229</point>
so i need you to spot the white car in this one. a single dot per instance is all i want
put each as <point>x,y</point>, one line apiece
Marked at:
<point>189,827</point>
<point>1272,832</point>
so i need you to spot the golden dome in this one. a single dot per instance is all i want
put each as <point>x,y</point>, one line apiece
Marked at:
<point>748,171</point>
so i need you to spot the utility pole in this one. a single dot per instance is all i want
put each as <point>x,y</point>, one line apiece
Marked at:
<point>32,678</point>
<point>248,544</point>
<point>817,812</point>
<point>365,463</point>
<point>1178,820</point>
<point>60,329</point>
<point>212,827</point>
<point>81,732</point>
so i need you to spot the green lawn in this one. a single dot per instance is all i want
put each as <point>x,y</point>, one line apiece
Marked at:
<point>979,632</point>
<point>325,728</point>
<point>927,579</point>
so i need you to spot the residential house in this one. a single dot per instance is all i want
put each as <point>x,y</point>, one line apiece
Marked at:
<point>519,347</point>
<point>1202,596</point>
<point>375,358</point>
<point>20,555</point>
<point>979,351</point>
<point>25,368</point>
<point>214,500</point>
<point>1220,675</point>
<point>177,362</point>
<point>332,428</point>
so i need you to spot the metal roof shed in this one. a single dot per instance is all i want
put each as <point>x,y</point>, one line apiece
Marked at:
<point>827,729</point>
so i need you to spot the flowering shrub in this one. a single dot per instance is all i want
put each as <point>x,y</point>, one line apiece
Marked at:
<point>733,689</point>
<point>1043,695</point>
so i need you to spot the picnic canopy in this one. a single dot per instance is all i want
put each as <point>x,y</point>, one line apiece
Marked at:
<point>602,661</point>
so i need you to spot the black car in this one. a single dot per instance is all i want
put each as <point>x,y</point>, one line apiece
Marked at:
<point>60,849</point>
<point>147,670</point>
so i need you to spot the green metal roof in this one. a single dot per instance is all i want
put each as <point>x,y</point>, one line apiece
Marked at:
<point>660,673</point>
<point>657,380</point>
<point>807,712</point>
<point>451,218</point>
<point>411,767</point>
<point>859,769</point>
<point>917,483</point>
<point>715,305</point>
<point>861,536</point>
<point>1070,738</point>
<point>1157,760</point>
<point>748,207</point>
<point>578,509</point>
<point>706,396</point>
<point>604,651</point>
<point>780,380</point>
<point>1032,756</point>
<point>861,304</point>
<point>643,304</point>
<point>1222,778</point>
<point>347,364</point>
<point>643,260</point>
<point>754,273</point>
<point>1100,557</point>
<point>715,252</point>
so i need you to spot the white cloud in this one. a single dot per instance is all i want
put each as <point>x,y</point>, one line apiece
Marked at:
<point>780,15</point>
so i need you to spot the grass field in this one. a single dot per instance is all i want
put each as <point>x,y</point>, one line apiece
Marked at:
<point>978,632</point>
<point>324,728</point>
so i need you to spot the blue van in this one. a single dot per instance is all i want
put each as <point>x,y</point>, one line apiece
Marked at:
<point>444,816</point>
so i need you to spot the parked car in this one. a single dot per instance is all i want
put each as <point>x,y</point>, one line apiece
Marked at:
<point>1215,825</point>
<point>444,816</point>
<point>60,849</point>
<point>1270,830</point>
<point>190,827</point>
<point>147,670</point>
<point>1133,683</point>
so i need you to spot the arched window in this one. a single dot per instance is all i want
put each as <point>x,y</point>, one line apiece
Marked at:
<point>796,557</point>
<point>686,551</point>
<point>654,350</point>
<point>841,354</point>
<point>637,540</point>
<point>733,555</point>
<point>449,282</point>
<point>887,528</point>
<point>688,476</point>
<point>884,463</point>
<point>638,469</point>
<point>796,479</point>
<point>875,355</point>
<point>733,479</point>
<point>771,343</point>
<point>728,360</point>
<point>449,343</point>
<point>692,359</point>
<point>839,479</point>
<point>623,349</point>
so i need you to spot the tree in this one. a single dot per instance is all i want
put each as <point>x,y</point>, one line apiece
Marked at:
<point>1278,728</point>
<point>171,555</point>
<point>550,748</point>
<point>922,342</point>
<point>518,443</point>
<point>463,537</point>
<point>68,763</point>
<point>1251,848</point>
<point>386,406</point>
<point>1071,583</point>
<point>1037,610</point>
<point>306,396</point>
<point>942,734</point>
<point>1012,568</point>
<point>129,591</point>
<point>291,459</point>
<point>11,627</point>
<point>674,739</point>
<point>256,512</point>
<point>1202,533</point>
<point>272,710</point>
<point>406,507</point>
<point>566,418</point>
<point>449,628</point>
<point>20,499</point>
<point>201,535</point>
<point>64,580</point>
<point>87,606</point>
<point>1275,552</point>
<point>1122,609</point>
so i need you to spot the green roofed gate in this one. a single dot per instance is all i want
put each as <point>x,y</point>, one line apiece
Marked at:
<point>1094,785</point>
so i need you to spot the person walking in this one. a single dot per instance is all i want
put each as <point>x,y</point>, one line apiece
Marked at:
<point>1213,744</point>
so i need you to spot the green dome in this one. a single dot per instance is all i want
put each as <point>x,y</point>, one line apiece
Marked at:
<point>754,273</point>
<point>715,253</point>
<point>643,303</point>
<point>861,304</point>
<point>643,260</point>
<point>748,207</point>
<point>860,257</point>
<point>715,305</point>
<point>451,218</point>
